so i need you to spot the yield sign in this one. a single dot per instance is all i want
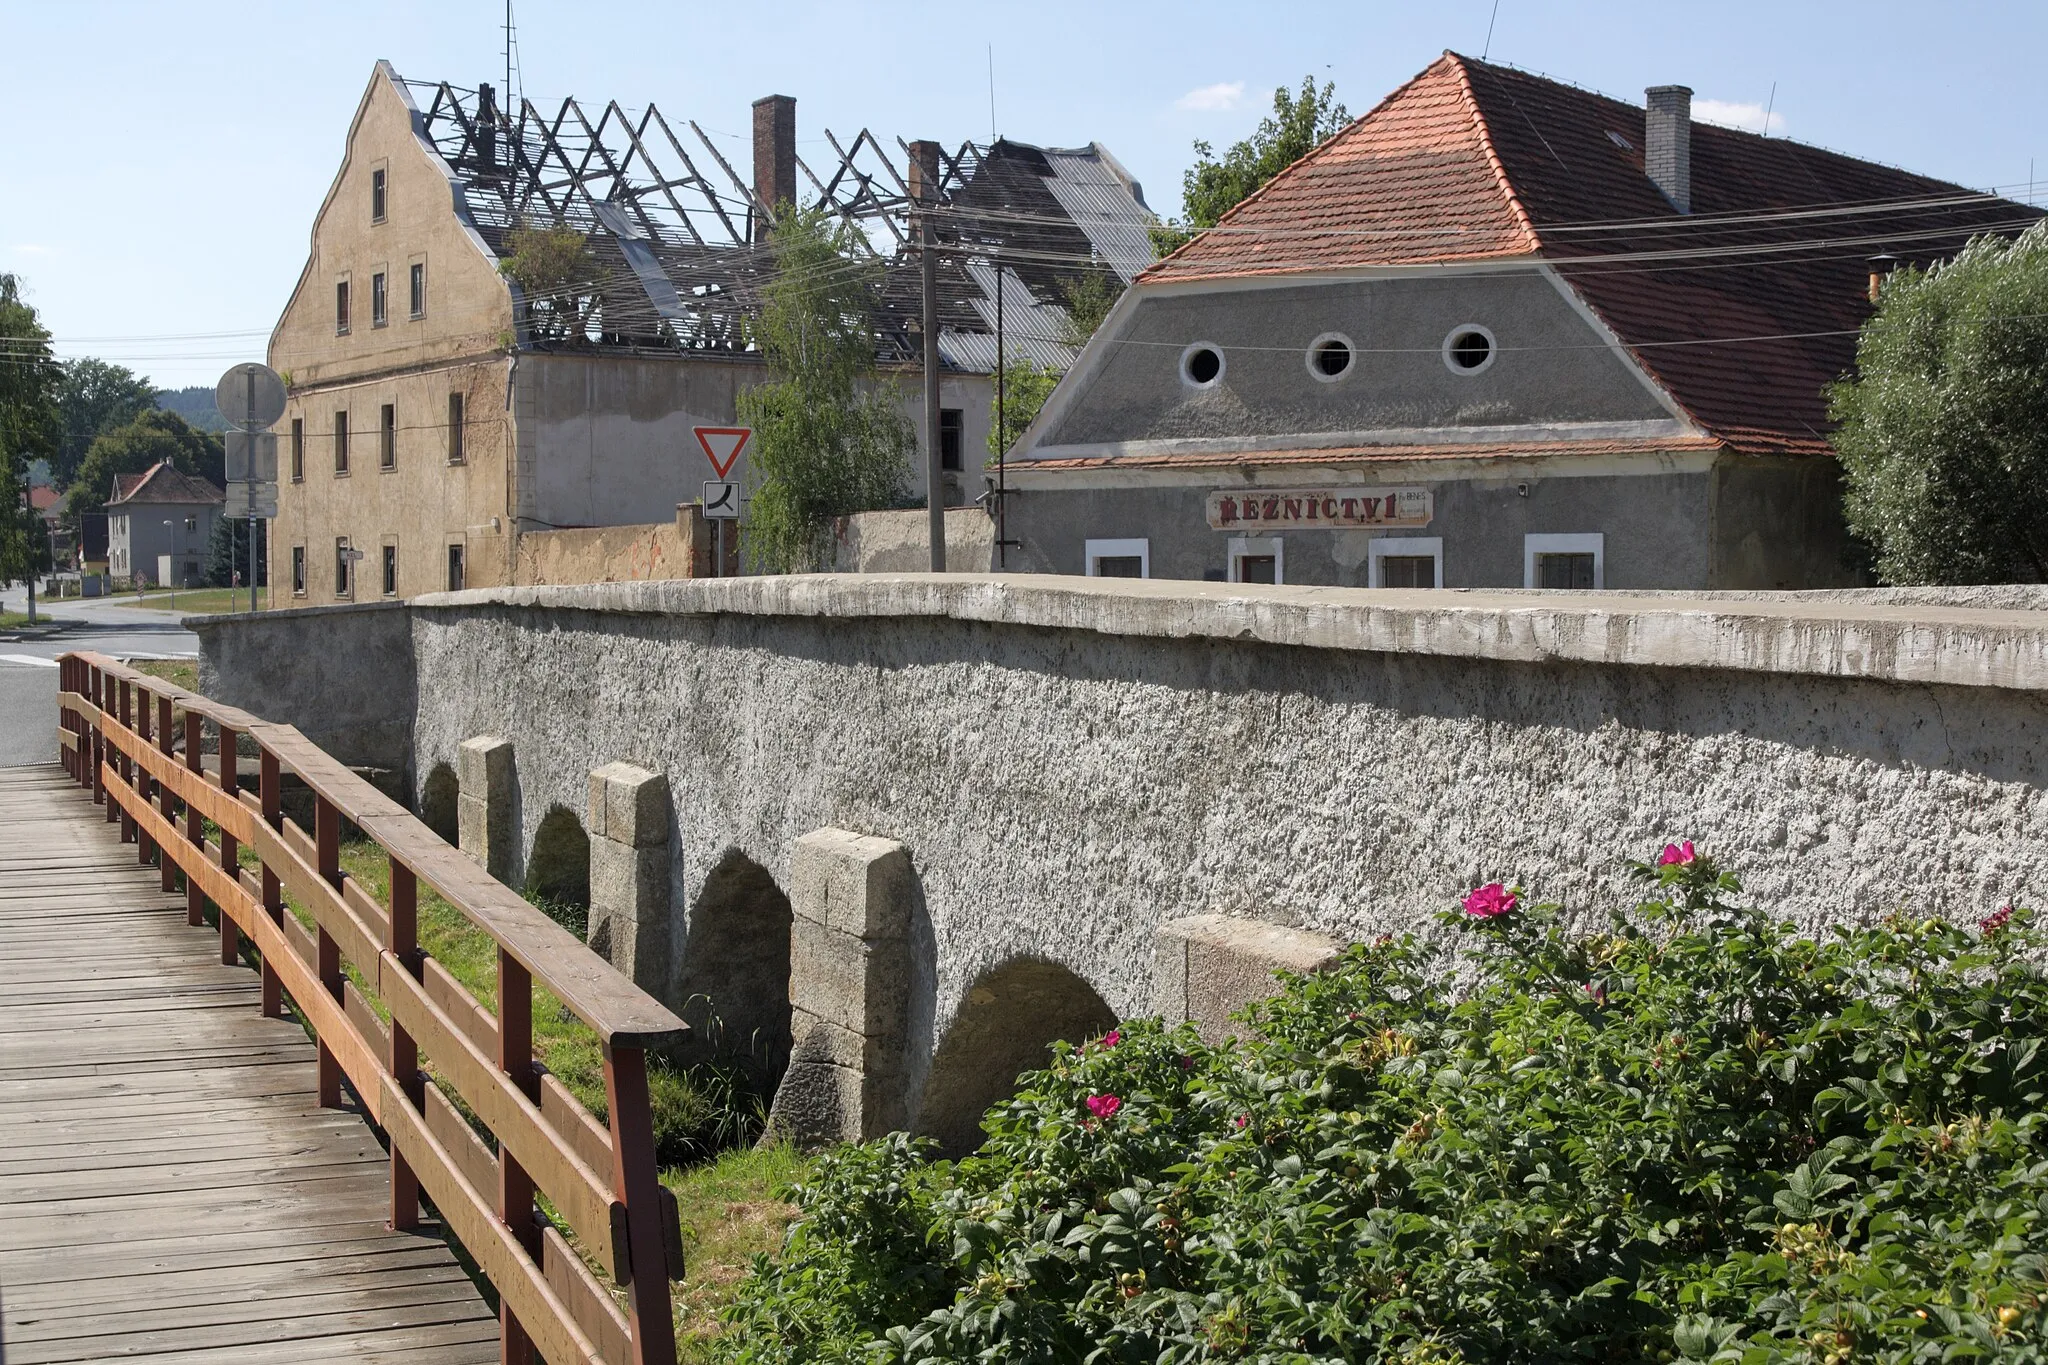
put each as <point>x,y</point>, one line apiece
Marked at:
<point>722,445</point>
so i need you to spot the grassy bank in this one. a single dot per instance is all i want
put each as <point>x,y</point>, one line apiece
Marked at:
<point>18,620</point>
<point>194,601</point>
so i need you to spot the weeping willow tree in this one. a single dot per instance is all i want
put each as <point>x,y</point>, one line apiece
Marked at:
<point>1943,433</point>
<point>830,438</point>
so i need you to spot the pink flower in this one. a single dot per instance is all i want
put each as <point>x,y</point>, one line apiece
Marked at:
<point>1104,1106</point>
<point>1596,991</point>
<point>1490,901</point>
<point>1187,1064</point>
<point>1242,1119</point>
<point>1680,854</point>
<point>1995,921</point>
<point>1112,1038</point>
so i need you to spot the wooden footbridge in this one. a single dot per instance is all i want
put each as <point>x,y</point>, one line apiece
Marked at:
<point>263,1143</point>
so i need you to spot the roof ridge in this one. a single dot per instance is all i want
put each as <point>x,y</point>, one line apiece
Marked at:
<point>1287,171</point>
<point>1470,98</point>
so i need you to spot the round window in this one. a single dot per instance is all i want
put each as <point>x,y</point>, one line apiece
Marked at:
<point>1469,349</point>
<point>1329,357</point>
<point>1201,365</point>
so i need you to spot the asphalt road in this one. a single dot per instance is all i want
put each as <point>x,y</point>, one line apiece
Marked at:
<point>28,668</point>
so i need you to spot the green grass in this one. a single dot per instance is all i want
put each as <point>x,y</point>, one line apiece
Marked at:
<point>16,620</point>
<point>730,1214</point>
<point>195,601</point>
<point>178,672</point>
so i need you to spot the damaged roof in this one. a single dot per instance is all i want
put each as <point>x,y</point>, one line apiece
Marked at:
<point>674,227</point>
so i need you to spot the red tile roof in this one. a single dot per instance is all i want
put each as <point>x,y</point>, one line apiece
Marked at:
<point>1471,161</point>
<point>163,483</point>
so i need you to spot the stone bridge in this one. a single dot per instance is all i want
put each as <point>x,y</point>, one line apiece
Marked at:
<point>899,832</point>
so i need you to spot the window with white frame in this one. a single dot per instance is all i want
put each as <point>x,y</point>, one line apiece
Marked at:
<point>1119,558</point>
<point>1406,562</point>
<point>1573,562</point>
<point>1257,559</point>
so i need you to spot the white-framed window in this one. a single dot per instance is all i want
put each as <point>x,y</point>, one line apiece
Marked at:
<point>1406,562</point>
<point>1577,561</point>
<point>1257,559</point>
<point>1119,558</point>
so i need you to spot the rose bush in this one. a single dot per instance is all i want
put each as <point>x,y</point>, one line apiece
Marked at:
<point>1695,1136</point>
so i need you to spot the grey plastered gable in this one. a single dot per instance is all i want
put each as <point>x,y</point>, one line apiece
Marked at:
<point>1558,368</point>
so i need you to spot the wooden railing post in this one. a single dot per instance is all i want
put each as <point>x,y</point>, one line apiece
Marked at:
<point>102,700</point>
<point>327,964</point>
<point>64,715</point>
<point>145,786</point>
<point>403,939</point>
<point>230,847</point>
<point>124,764</point>
<point>515,1186</point>
<point>270,786</point>
<point>636,1182</point>
<point>167,801</point>
<point>195,832</point>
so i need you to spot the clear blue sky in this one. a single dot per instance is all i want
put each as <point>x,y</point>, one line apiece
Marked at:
<point>164,160</point>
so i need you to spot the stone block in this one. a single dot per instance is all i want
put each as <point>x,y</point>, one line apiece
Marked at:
<point>484,764</point>
<point>629,805</point>
<point>629,911</point>
<point>859,984</point>
<point>818,1104</point>
<point>1207,967</point>
<point>483,807</point>
<point>855,883</point>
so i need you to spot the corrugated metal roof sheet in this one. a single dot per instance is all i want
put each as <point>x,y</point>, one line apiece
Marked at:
<point>1031,328</point>
<point>1105,204</point>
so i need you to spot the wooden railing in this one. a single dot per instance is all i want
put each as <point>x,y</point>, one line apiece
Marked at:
<point>138,742</point>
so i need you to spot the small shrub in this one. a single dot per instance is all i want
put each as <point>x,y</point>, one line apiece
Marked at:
<point>1694,1136</point>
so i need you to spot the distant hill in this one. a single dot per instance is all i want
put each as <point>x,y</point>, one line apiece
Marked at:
<point>195,405</point>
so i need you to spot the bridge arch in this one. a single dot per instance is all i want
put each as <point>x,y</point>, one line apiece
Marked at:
<point>734,983</point>
<point>558,868</point>
<point>438,802</point>
<point>1011,1017</point>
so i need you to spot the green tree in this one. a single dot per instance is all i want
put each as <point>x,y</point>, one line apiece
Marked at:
<point>829,438</point>
<point>227,554</point>
<point>559,278</point>
<point>1016,403</point>
<point>1943,431</point>
<point>29,428</point>
<point>152,437</point>
<point>1088,299</point>
<point>1211,188</point>
<point>94,397</point>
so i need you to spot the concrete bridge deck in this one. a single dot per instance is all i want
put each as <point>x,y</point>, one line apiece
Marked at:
<point>170,1190</point>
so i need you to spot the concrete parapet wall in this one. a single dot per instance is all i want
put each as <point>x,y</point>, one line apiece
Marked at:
<point>1072,764</point>
<point>342,674</point>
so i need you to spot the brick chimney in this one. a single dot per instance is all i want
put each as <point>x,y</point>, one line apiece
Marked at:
<point>774,155</point>
<point>1667,142</point>
<point>487,125</point>
<point>924,172</point>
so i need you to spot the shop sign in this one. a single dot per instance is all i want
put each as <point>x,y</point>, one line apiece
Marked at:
<point>1313,507</point>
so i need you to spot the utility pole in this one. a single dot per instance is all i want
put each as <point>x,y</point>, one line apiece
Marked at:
<point>924,185</point>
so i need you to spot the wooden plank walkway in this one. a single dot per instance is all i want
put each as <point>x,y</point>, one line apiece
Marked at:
<point>169,1189</point>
